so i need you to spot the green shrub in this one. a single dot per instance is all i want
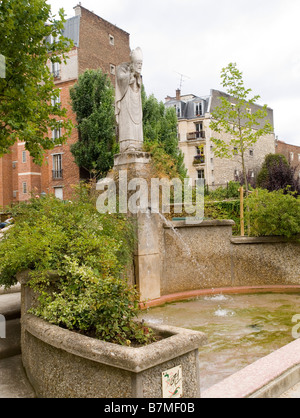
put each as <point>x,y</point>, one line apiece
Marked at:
<point>89,252</point>
<point>229,192</point>
<point>274,213</point>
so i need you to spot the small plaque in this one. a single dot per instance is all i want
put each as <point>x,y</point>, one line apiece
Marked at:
<point>172,383</point>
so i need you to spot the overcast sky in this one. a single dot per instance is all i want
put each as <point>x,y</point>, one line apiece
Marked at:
<point>197,38</point>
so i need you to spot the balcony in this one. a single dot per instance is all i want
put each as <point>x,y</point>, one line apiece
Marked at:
<point>192,136</point>
<point>199,159</point>
<point>57,174</point>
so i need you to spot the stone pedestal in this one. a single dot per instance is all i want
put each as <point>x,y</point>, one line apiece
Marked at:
<point>147,258</point>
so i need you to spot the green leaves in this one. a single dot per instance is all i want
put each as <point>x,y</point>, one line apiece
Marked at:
<point>160,137</point>
<point>237,122</point>
<point>92,101</point>
<point>26,112</point>
<point>274,213</point>
<point>89,253</point>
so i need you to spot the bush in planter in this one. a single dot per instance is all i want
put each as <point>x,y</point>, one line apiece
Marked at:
<point>89,252</point>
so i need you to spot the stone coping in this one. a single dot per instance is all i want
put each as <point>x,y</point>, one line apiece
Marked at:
<point>191,294</point>
<point>266,377</point>
<point>178,341</point>
<point>264,240</point>
<point>204,223</point>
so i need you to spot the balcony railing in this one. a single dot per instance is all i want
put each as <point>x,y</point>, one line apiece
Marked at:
<point>199,159</point>
<point>195,135</point>
<point>57,174</point>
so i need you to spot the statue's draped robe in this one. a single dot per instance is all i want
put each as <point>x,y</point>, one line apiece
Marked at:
<point>129,113</point>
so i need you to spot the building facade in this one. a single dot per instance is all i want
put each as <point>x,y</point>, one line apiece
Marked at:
<point>194,138</point>
<point>292,154</point>
<point>97,44</point>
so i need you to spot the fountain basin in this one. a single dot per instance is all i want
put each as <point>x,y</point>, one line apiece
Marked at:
<point>241,329</point>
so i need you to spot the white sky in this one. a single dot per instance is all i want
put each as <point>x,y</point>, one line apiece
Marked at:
<point>197,38</point>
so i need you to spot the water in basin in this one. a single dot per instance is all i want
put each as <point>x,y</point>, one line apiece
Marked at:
<point>240,328</point>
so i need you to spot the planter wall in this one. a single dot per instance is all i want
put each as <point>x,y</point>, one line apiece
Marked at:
<point>63,364</point>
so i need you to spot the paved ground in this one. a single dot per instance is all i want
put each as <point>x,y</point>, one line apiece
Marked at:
<point>13,381</point>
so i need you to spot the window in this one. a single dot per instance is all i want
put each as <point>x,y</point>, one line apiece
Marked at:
<point>55,69</point>
<point>299,157</point>
<point>291,156</point>
<point>251,152</point>
<point>15,194</point>
<point>55,100</point>
<point>201,174</point>
<point>24,187</point>
<point>251,173</point>
<point>199,109</point>
<point>59,193</point>
<point>56,134</point>
<point>57,172</point>
<point>200,150</point>
<point>236,175</point>
<point>111,39</point>
<point>23,156</point>
<point>112,69</point>
<point>178,111</point>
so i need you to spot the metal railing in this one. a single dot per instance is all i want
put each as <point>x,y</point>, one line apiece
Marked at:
<point>196,135</point>
<point>57,174</point>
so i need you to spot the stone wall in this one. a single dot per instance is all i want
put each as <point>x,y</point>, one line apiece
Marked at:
<point>206,256</point>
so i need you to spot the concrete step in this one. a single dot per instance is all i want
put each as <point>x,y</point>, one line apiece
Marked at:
<point>13,380</point>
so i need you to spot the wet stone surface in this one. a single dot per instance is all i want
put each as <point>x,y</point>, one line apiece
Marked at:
<point>240,328</point>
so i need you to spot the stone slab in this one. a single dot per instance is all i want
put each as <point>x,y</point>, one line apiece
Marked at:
<point>13,380</point>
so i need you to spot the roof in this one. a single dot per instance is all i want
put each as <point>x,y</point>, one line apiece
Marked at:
<point>71,29</point>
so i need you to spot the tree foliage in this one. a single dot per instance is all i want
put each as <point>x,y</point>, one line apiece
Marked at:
<point>160,136</point>
<point>26,109</point>
<point>276,173</point>
<point>234,117</point>
<point>92,101</point>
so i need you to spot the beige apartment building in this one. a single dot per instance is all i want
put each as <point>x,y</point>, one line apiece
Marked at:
<point>194,138</point>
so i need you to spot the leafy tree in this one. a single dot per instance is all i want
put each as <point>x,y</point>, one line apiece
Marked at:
<point>92,101</point>
<point>160,136</point>
<point>276,174</point>
<point>26,109</point>
<point>233,117</point>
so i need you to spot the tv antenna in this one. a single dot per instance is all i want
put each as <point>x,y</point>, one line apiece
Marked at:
<point>182,76</point>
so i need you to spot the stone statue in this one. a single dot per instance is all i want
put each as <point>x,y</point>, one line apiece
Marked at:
<point>129,113</point>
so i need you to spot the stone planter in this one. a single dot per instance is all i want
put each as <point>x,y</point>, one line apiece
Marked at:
<point>63,364</point>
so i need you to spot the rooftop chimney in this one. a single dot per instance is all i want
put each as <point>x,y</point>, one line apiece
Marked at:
<point>78,9</point>
<point>178,94</point>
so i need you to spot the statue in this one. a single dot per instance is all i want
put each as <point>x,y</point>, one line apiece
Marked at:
<point>128,111</point>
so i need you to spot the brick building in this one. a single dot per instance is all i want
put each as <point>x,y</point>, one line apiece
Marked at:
<point>292,154</point>
<point>97,44</point>
<point>194,134</point>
